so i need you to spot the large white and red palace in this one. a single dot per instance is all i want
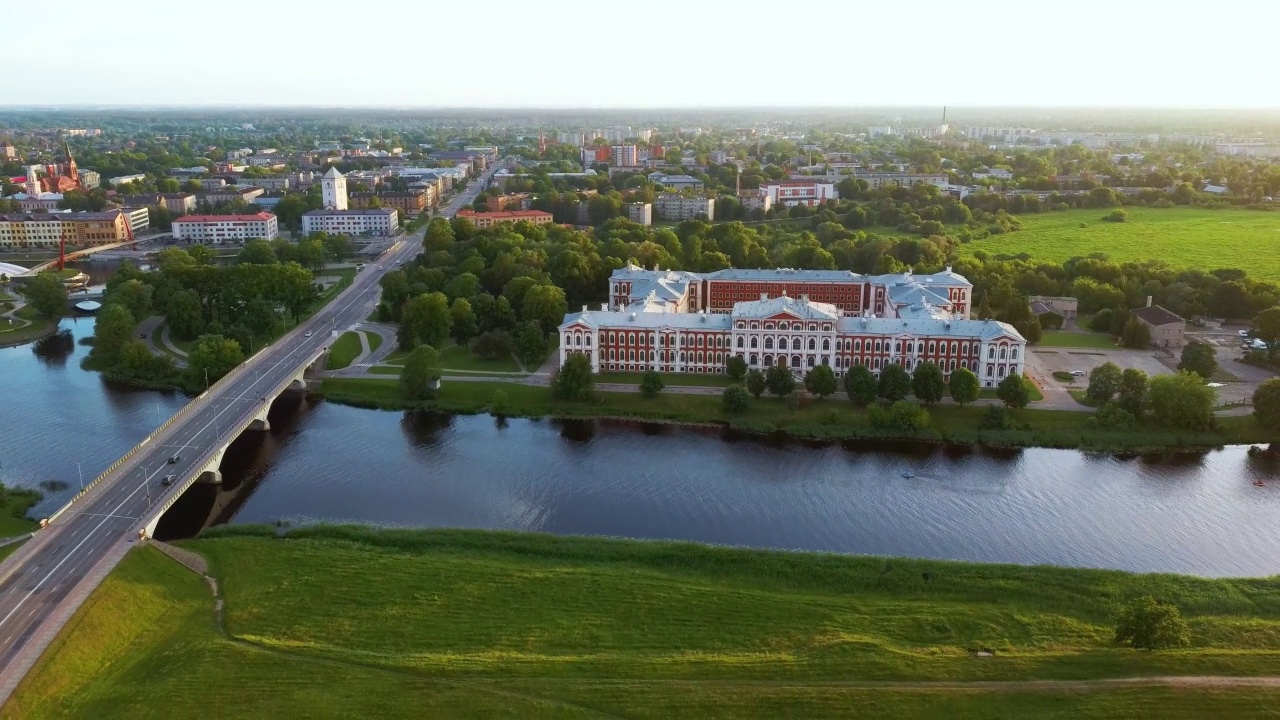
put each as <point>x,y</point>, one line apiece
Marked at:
<point>675,321</point>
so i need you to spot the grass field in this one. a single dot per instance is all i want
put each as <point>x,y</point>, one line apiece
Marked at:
<point>834,417</point>
<point>343,351</point>
<point>37,326</point>
<point>1063,338</point>
<point>458,357</point>
<point>1183,237</point>
<point>343,622</point>
<point>630,378</point>
<point>13,511</point>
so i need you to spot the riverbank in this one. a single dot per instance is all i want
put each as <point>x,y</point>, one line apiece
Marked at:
<point>833,418</point>
<point>351,621</point>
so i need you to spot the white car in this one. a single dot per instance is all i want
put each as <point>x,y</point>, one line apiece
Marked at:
<point>1243,333</point>
<point>308,333</point>
<point>1077,373</point>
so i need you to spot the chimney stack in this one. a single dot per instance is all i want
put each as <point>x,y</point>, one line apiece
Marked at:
<point>764,296</point>
<point>1148,301</point>
<point>584,308</point>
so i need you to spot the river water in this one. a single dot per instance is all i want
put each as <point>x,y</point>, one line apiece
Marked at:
<point>1196,514</point>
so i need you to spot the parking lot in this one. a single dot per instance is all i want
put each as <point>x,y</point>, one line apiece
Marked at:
<point>1238,381</point>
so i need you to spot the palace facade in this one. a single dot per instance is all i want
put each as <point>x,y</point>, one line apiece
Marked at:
<point>684,322</point>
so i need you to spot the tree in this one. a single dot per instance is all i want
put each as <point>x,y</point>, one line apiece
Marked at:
<point>1199,357</point>
<point>421,371</point>
<point>134,295</point>
<point>736,399</point>
<point>1147,624</point>
<point>779,381</point>
<point>462,321</point>
<point>965,386</point>
<point>1101,321</point>
<point>651,384</point>
<point>860,385</point>
<point>820,381</point>
<point>257,252</point>
<point>46,294</point>
<point>112,330</point>
<point>574,381</point>
<point>1104,382</point>
<point>927,383</point>
<point>895,383</point>
<point>339,247</point>
<point>184,314</point>
<point>1014,391</point>
<point>545,304</point>
<point>903,417</point>
<point>756,383</point>
<point>1266,327</point>
<point>735,367</point>
<point>1266,403</point>
<point>531,344</point>
<point>425,320</point>
<point>1181,401</point>
<point>493,345</point>
<point>215,354</point>
<point>1136,334</point>
<point>1133,392</point>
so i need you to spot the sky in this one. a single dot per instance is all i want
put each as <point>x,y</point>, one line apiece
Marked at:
<point>656,53</point>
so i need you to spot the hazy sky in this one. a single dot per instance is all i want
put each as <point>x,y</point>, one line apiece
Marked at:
<point>656,53</point>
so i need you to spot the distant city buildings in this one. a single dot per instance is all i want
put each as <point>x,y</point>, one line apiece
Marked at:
<point>676,182</point>
<point>799,192</point>
<point>623,156</point>
<point>46,230</point>
<point>640,212</point>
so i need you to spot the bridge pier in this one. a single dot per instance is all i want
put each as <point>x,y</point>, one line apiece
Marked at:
<point>260,421</point>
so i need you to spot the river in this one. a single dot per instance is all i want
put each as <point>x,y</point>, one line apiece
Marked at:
<point>1196,514</point>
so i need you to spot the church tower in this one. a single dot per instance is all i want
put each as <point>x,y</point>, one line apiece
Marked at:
<point>72,172</point>
<point>333,190</point>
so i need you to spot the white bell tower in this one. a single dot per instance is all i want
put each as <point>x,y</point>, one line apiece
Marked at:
<point>333,190</point>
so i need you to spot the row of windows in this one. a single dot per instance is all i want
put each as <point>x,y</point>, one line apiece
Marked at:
<point>877,346</point>
<point>667,356</point>
<point>799,326</point>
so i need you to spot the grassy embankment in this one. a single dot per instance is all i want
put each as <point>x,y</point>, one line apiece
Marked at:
<point>29,325</point>
<point>343,622</point>
<point>834,417</point>
<point>343,351</point>
<point>1183,237</point>
<point>14,504</point>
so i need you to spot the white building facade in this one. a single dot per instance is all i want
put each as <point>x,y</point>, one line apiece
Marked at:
<point>333,190</point>
<point>679,207</point>
<point>379,222</point>
<point>221,228</point>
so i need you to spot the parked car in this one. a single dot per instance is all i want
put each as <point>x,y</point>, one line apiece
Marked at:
<point>1077,373</point>
<point>1243,333</point>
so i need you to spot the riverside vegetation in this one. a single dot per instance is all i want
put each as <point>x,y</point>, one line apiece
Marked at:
<point>351,621</point>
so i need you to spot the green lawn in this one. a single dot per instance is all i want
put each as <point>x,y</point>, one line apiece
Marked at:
<point>834,417</point>
<point>629,378</point>
<point>344,622</point>
<point>14,505</point>
<point>1066,338</point>
<point>38,325</point>
<point>1183,237</point>
<point>344,350</point>
<point>458,357</point>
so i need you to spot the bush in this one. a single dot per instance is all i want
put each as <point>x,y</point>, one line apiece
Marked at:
<point>735,367</point>
<point>651,384</point>
<point>779,381</point>
<point>493,345</point>
<point>1014,391</point>
<point>1050,321</point>
<point>1199,357</point>
<point>575,380</point>
<point>1102,320</point>
<point>1136,334</point>
<point>1147,624</point>
<point>996,418</point>
<point>903,417</point>
<point>895,383</point>
<point>821,381</point>
<point>1104,382</point>
<point>860,385</point>
<point>1063,376</point>
<point>755,383</point>
<point>1116,215</point>
<point>736,399</point>
<point>1266,403</point>
<point>1113,417</point>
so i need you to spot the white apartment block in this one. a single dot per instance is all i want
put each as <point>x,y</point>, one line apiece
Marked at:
<point>800,192</point>
<point>218,229</point>
<point>378,222</point>
<point>679,207</point>
<point>640,212</point>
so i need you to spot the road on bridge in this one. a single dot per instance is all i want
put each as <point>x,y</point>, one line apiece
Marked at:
<point>43,583</point>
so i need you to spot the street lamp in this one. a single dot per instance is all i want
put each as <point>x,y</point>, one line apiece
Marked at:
<point>79,470</point>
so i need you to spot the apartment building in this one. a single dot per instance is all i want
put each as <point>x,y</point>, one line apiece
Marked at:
<point>218,229</point>
<point>484,220</point>
<point>679,207</point>
<point>410,203</point>
<point>377,222</point>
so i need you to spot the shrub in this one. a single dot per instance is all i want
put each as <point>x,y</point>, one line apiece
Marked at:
<point>820,381</point>
<point>895,383</point>
<point>965,386</point>
<point>575,380</point>
<point>1064,376</point>
<point>755,383</point>
<point>493,345</point>
<point>1266,403</point>
<point>1114,417</point>
<point>1116,215</point>
<point>1148,624</point>
<point>735,367</point>
<point>1104,382</point>
<point>651,384</point>
<point>996,418</point>
<point>860,385</point>
<point>736,399</point>
<point>903,417</point>
<point>779,381</point>
<point>1014,391</point>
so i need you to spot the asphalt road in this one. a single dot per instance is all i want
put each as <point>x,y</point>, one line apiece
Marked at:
<point>44,573</point>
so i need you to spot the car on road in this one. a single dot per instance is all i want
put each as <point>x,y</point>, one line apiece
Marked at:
<point>308,333</point>
<point>174,458</point>
<point>1243,333</point>
<point>1077,373</point>
<point>168,480</point>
